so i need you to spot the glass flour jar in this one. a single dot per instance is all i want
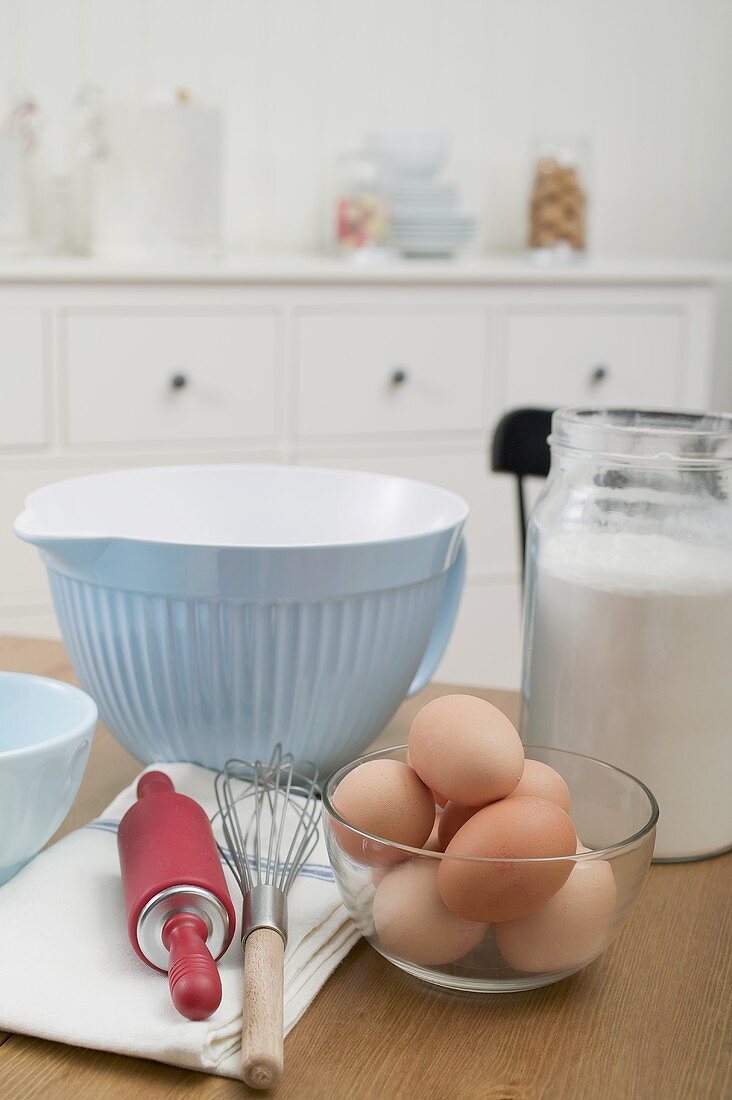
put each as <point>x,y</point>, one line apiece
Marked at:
<point>628,610</point>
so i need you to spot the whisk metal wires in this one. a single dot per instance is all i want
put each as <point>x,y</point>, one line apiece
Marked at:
<point>268,815</point>
<point>259,804</point>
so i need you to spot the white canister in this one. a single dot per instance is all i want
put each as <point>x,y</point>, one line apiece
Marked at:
<point>157,182</point>
<point>14,194</point>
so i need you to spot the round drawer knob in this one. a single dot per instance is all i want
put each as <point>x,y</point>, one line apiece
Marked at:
<point>599,373</point>
<point>398,376</point>
<point>178,381</point>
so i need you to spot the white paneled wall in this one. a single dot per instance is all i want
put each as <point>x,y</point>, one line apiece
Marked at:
<point>649,80</point>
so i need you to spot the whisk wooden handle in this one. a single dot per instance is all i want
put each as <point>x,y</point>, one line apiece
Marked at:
<point>262,1045</point>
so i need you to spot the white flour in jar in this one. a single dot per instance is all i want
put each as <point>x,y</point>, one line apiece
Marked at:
<point>629,659</point>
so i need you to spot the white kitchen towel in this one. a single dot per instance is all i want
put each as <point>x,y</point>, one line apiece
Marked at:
<point>68,972</point>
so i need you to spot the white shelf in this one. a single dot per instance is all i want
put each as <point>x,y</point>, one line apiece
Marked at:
<point>520,270</point>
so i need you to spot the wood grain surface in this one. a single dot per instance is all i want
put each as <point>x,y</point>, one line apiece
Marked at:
<point>650,1020</point>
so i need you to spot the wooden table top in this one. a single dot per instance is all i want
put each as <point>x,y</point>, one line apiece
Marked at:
<point>649,1020</point>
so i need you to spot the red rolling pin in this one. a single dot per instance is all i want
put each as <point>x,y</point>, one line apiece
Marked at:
<point>180,917</point>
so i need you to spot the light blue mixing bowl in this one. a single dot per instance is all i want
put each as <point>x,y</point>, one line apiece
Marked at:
<point>213,611</point>
<point>46,730</point>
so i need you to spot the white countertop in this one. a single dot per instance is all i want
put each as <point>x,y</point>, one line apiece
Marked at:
<point>509,269</point>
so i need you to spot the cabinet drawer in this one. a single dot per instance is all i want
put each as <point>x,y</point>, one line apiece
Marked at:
<point>139,377</point>
<point>22,397</point>
<point>610,357</point>
<point>386,373</point>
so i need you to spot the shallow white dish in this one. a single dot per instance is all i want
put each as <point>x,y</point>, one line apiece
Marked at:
<point>428,249</point>
<point>432,234</point>
<point>427,191</point>
<point>441,239</point>
<point>446,223</point>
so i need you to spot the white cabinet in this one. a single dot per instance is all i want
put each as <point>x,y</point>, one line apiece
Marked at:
<point>486,645</point>
<point>23,397</point>
<point>402,370</point>
<point>588,356</point>
<point>135,377</point>
<point>372,373</point>
<point>22,575</point>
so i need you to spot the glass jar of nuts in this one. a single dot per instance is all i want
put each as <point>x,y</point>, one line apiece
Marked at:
<point>558,205</point>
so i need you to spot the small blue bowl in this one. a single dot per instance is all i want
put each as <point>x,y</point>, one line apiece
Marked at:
<point>46,730</point>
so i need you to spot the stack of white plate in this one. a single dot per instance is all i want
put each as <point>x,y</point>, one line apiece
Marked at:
<point>421,226</point>
<point>426,219</point>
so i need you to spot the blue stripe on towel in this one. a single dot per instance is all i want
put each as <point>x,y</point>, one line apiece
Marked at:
<point>319,871</point>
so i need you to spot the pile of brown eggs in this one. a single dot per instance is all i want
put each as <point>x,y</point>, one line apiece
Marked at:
<point>467,791</point>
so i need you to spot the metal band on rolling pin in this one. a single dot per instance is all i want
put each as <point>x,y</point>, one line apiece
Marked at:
<point>264,907</point>
<point>180,899</point>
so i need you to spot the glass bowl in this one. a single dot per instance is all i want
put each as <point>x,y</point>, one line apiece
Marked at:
<point>392,891</point>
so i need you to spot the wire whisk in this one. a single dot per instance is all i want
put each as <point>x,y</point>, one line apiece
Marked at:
<point>268,816</point>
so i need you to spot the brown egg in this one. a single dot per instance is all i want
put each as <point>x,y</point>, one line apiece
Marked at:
<point>432,843</point>
<point>440,800</point>
<point>570,929</point>
<point>538,781</point>
<point>514,828</point>
<point>413,922</point>
<point>379,872</point>
<point>452,818</point>
<point>541,781</point>
<point>466,749</point>
<point>386,798</point>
